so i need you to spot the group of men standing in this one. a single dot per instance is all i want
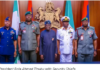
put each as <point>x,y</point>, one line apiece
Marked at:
<point>83,42</point>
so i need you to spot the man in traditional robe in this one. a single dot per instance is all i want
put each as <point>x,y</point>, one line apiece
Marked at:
<point>48,44</point>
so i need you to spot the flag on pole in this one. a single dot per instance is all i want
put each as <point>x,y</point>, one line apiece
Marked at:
<point>17,61</point>
<point>85,12</point>
<point>30,7</point>
<point>69,13</point>
<point>15,16</point>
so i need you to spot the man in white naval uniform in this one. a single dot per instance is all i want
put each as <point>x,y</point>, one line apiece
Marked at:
<point>65,40</point>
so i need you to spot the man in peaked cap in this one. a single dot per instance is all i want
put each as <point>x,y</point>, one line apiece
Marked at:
<point>48,45</point>
<point>28,38</point>
<point>85,42</point>
<point>65,19</point>
<point>7,42</point>
<point>65,40</point>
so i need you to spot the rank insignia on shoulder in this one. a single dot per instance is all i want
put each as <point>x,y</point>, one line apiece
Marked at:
<point>14,29</point>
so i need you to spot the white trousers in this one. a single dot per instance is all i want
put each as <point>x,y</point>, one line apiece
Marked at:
<point>66,58</point>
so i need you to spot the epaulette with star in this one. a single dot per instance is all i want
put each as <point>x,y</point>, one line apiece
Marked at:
<point>13,28</point>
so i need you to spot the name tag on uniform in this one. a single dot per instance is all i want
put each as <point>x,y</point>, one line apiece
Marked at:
<point>82,37</point>
<point>24,31</point>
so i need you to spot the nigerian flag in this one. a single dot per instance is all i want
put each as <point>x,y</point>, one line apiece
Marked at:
<point>15,17</point>
<point>15,22</point>
<point>69,13</point>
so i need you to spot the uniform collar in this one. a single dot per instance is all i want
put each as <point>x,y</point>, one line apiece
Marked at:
<point>83,27</point>
<point>27,24</point>
<point>6,28</point>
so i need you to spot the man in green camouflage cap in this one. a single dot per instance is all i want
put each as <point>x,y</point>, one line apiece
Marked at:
<point>28,38</point>
<point>85,42</point>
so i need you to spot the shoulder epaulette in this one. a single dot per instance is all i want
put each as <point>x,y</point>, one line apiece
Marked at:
<point>21,22</point>
<point>13,29</point>
<point>91,27</point>
<point>79,27</point>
